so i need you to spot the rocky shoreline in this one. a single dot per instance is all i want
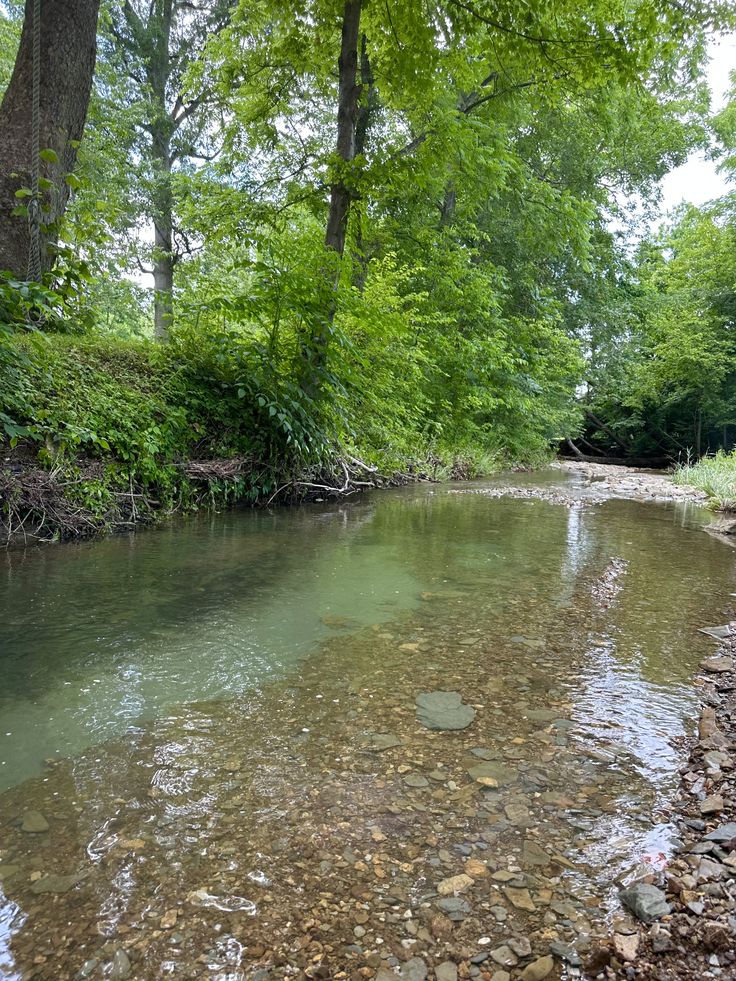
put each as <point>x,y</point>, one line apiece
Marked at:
<point>684,925</point>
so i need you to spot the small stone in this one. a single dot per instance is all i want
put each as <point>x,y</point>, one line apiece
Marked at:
<point>34,823</point>
<point>55,883</point>
<point>501,976</point>
<point>444,711</point>
<point>446,971</point>
<point>455,885</point>
<point>380,741</point>
<point>492,774</point>
<point>538,970</point>
<point>534,854</point>
<point>454,907</point>
<point>520,898</point>
<point>565,952</point>
<point>718,664</point>
<point>712,805</point>
<point>504,956</point>
<point>168,920</point>
<point>520,946</point>
<point>120,969</point>
<point>416,780</point>
<point>414,970</point>
<point>724,832</point>
<point>476,869</point>
<point>626,945</point>
<point>645,901</point>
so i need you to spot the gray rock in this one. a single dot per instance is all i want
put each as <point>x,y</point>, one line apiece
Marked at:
<point>718,664</point>
<point>414,970</point>
<point>416,780</point>
<point>491,773</point>
<point>34,823</point>
<point>120,969</point>
<point>379,741</point>
<point>87,968</point>
<point>444,710</point>
<point>455,907</point>
<point>565,952</point>
<point>446,971</point>
<point>717,633</point>
<point>646,902</point>
<point>55,883</point>
<point>724,832</point>
<point>504,956</point>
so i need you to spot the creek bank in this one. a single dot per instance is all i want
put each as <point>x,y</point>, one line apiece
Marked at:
<point>687,930</point>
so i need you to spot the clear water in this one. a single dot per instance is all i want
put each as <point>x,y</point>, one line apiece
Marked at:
<point>207,689</point>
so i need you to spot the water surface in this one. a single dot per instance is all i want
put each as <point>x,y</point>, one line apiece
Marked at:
<point>193,710</point>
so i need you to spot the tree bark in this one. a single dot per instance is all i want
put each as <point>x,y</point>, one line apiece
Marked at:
<point>347,113</point>
<point>68,51</point>
<point>315,348</point>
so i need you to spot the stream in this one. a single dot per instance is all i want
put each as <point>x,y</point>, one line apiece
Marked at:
<point>211,764</point>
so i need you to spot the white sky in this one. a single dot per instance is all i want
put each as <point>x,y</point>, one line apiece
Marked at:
<point>698,180</point>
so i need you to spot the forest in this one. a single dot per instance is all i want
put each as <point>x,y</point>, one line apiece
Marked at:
<point>252,251</point>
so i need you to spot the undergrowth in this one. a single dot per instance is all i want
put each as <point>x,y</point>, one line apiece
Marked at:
<point>105,433</point>
<point>715,475</point>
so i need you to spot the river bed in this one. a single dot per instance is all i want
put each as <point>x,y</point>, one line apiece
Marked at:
<point>210,759</point>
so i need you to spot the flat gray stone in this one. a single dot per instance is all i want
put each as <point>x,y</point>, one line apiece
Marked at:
<point>718,664</point>
<point>491,773</point>
<point>717,633</point>
<point>724,832</point>
<point>379,741</point>
<point>444,711</point>
<point>55,883</point>
<point>34,823</point>
<point>646,902</point>
<point>414,970</point>
<point>446,971</point>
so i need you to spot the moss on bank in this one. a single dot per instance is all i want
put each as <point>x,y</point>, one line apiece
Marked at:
<point>105,434</point>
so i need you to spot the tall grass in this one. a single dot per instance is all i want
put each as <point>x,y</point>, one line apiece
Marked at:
<point>716,475</point>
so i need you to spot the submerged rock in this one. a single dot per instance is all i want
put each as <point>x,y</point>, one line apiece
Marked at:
<point>646,902</point>
<point>34,823</point>
<point>444,710</point>
<point>538,970</point>
<point>492,774</point>
<point>718,664</point>
<point>55,883</point>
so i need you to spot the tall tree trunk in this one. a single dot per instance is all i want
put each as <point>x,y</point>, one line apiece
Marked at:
<point>367,107</point>
<point>163,226</point>
<point>347,113</point>
<point>341,194</point>
<point>68,51</point>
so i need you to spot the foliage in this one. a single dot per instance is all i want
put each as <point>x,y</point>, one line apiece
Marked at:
<point>482,287</point>
<point>716,475</point>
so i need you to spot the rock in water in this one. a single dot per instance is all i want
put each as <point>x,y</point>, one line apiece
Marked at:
<point>34,823</point>
<point>718,664</point>
<point>443,710</point>
<point>538,970</point>
<point>646,902</point>
<point>120,969</point>
<point>55,883</point>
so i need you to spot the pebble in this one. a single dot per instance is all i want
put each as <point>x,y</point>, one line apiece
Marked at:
<point>120,968</point>
<point>455,885</point>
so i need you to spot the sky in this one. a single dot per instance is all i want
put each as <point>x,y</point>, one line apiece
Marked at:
<point>698,180</point>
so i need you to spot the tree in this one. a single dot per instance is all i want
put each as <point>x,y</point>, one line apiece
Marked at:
<point>158,44</point>
<point>67,38</point>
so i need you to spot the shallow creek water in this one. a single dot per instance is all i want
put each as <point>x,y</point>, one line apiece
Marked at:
<point>216,722</point>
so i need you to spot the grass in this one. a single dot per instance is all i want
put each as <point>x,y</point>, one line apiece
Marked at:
<point>716,475</point>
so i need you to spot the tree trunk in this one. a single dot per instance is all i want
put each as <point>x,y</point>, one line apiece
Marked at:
<point>163,225</point>
<point>314,355</point>
<point>367,106</point>
<point>698,432</point>
<point>68,51</point>
<point>347,112</point>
